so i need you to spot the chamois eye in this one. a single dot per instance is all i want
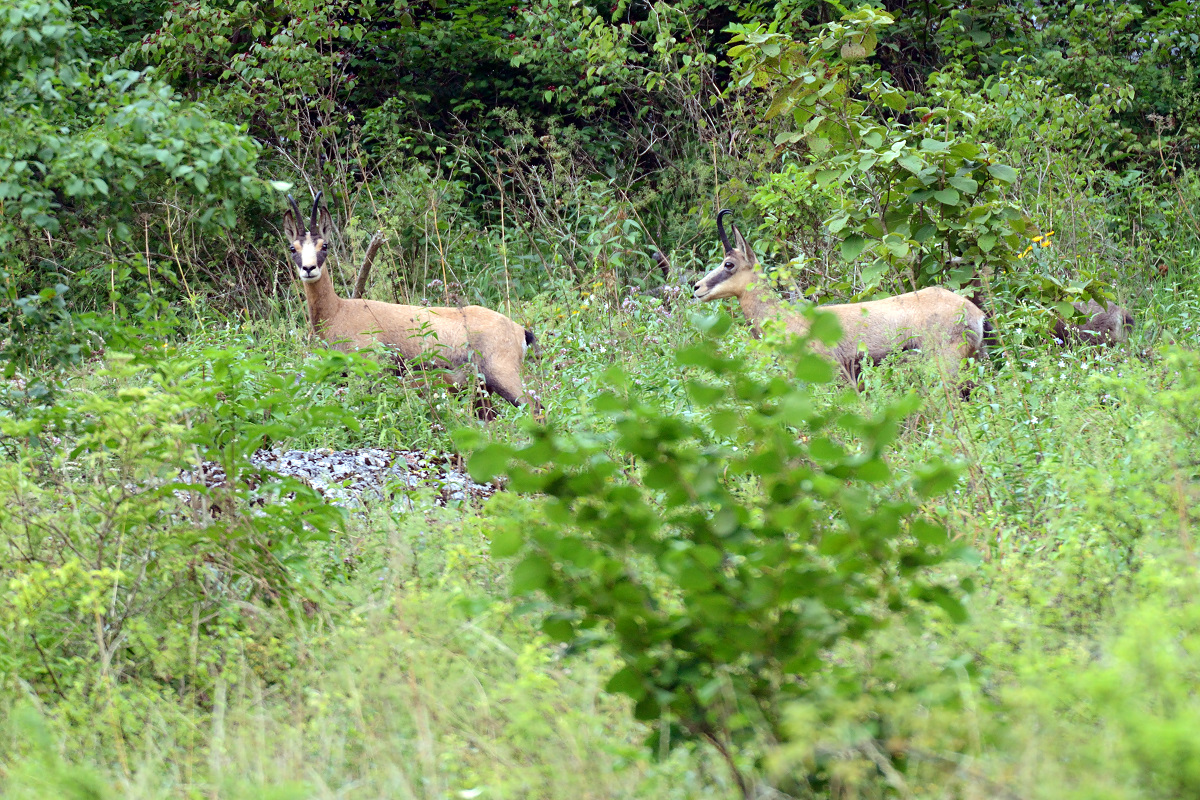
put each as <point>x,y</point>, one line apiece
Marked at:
<point>292,248</point>
<point>729,266</point>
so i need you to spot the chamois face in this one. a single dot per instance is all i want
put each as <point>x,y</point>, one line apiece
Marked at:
<point>736,271</point>
<point>309,247</point>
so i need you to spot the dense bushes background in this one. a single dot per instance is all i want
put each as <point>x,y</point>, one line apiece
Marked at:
<point>715,571</point>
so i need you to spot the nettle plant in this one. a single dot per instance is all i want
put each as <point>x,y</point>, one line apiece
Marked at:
<point>722,550</point>
<point>907,186</point>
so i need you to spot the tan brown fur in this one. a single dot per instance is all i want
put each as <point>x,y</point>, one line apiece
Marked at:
<point>445,336</point>
<point>1108,325</point>
<point>937,321</point>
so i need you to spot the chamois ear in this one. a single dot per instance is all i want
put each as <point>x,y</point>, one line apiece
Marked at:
<point>324,224</point>
<point>291,230</point>
<point>743,245</point>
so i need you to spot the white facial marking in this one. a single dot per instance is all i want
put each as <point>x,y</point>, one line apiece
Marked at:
<point>310,269</point>
<point>308,254</point>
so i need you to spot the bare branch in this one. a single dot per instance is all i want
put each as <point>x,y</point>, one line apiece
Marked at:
<point>364,271</point>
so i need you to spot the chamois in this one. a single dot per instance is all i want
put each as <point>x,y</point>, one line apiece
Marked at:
<point>450,337</point>
<point>936,320</point>
<point>1106,324</point>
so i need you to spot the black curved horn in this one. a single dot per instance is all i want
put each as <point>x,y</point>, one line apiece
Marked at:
<point>312,220</point>
<point>721,229</point>
<point>295,209</point>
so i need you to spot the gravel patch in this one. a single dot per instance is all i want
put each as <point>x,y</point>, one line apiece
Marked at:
<point>357,478</point>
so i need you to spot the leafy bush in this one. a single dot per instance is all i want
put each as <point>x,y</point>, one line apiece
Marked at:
<point>723,550</point>
<point>148,568</point>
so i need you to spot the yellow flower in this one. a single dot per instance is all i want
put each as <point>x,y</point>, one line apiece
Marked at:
<point>1037,238</point>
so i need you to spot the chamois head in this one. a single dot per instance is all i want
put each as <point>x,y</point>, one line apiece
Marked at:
<point>737,270</point>
<point>309,246</point>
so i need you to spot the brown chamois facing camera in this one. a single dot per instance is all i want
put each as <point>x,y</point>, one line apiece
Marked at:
<point>447,337</point>
<point>936,321</point>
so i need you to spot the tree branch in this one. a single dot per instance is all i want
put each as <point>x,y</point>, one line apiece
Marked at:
<point>365,270</point>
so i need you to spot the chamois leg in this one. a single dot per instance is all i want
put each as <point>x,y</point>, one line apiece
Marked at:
<point>951,359</point>
<point>852,372</point>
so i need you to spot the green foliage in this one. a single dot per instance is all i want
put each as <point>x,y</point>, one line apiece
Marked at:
<point>148,569</point>
<point>92,139</point>
<point>916,194</point>
<point>1153,49</point>
<point>723,550</point>
<point>734,542</point>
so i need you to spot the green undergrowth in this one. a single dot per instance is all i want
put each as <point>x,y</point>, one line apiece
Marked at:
<point>392,662</point>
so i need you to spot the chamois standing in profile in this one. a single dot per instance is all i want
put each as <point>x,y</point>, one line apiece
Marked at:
<point>937,321</point>
<point>449,337</point>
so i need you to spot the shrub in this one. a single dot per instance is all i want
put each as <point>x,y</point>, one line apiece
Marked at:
<point>724,549</point>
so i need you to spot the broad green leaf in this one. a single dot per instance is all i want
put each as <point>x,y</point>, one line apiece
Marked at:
<point>558,629</point>
<point>894,100</point>
<point>530,574</point>
<point>488,462</point>
<point>1002,173</point>
<point>814,369</point>
<point>825,327</point>
<point>964,184</point>
<point>929,533</point>
<point>506,542</point>
<point>948,197</point>
<point>627,681</point>
<point>872,273</point>
<point>852,246</point>
<point>912,163</point>
<point>1064,309</point>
